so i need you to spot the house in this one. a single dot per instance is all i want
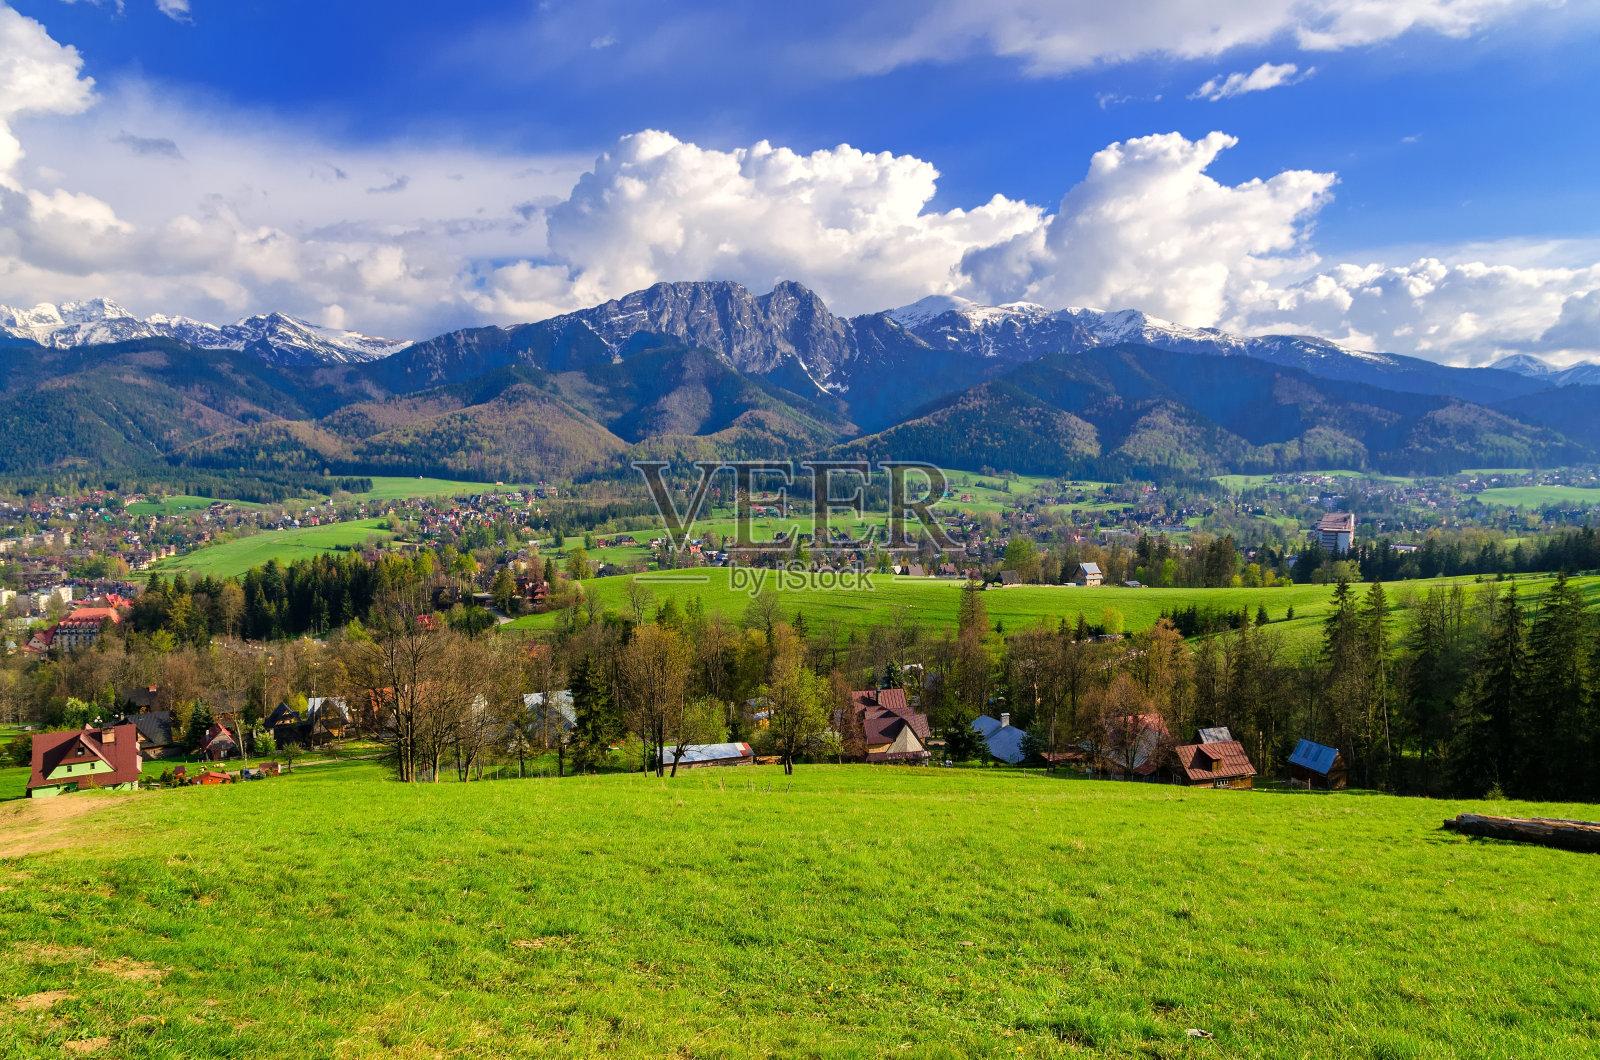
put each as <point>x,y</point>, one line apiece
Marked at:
<point>212,776</point>
<point>560,717</point>
<point>156,738</point>
<point>1318,766</point>
<point>1130,746</point>
<point>1336,532</point>
<point>286,724</point>
<point>81,759</point>
<point>1003,739</point>
<point>1089,574</point>
<point>327,719</point>
<point>698,755</point>
<point>1008,578</point>
<point>1222,764</point>
<point>219,743</point>
<point>895,731</point>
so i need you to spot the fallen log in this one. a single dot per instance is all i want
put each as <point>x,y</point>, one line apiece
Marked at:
<point>1549,832</point>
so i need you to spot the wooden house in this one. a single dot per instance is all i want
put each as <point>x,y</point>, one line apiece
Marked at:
<point>84,759</point>
<point>895,731</point>
<point>1221,764</point>
<point>1318,766</point>
<point>1089,574</point>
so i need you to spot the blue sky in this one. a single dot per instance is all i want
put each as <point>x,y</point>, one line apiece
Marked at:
<point>1426,166</point>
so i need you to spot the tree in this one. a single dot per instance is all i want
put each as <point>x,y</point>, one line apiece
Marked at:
<point>594,718</point>
<point>1482,749</point>
<point>798,702</point>
<point>654,671</point>
<point>640,599</point>
<point>1553,734</point>
<point>504,590</point>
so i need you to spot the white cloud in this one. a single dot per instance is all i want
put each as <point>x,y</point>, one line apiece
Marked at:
<point>1461,312</point>
<point>37,76</point>
<point>1056,36</point>
<point>1263,77</point>
<point>849,223</point>
<point>177,10</point>
<point>170,206</point>
<point>1147,227</point>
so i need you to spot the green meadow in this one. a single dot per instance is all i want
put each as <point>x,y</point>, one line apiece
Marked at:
<point>1540,496</point>
<point>180,503</point>
<point>933,602</point>
<point>846,911</point>
<point>228,559</point>
<point>406,487</point>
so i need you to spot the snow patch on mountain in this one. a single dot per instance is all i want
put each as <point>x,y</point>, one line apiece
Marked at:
<point>275,337</point>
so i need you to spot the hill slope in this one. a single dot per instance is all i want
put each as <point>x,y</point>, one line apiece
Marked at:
<point>738,912</point>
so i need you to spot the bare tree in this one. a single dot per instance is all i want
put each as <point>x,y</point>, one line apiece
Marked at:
<point>654,671</point>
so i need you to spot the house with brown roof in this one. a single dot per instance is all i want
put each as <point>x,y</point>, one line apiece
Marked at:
<point>82,759</point>
<point>219,743</point>
<point>895,730</point>
<point>1221,764</point>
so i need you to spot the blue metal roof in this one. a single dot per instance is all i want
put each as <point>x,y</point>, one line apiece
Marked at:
<point>1004,741</point>
<point>1313,756</point>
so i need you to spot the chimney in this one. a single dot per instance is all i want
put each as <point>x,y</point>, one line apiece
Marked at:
<point>1005,721</point>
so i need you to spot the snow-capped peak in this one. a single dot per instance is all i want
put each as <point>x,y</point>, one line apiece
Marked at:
<point>974,313</point>
<point>276,337</point>
<point>1526,364</point>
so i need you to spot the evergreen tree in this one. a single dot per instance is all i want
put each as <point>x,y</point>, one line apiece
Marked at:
<point>1482,750</point>
<point>1553,735</point>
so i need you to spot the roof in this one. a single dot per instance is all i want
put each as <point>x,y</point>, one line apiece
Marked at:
<point>155,726</point>
<point>1004,741</point>
<point>884,712</point>
<point>52,749</point>
<point>1219,734</point>
<point>563,708</point>
<point>1337,522</point>
<point>1214,761</point>
<point>1088,568</point>
<point>333,705</point>
<point>1313,756</point>
<point>706,752</point>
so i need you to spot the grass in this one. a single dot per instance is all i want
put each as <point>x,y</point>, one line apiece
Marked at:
<point>934,602</point>
<point>228,559</point>
<point>180,503</point>
<point>1240,483</point>
<point>846,911</point>
<point>406,487</point>
<point>1541,496</point>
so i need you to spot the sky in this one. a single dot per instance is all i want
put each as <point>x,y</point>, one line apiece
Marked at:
<point>1414,176</point>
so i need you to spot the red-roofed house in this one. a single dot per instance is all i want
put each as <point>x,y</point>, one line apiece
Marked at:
<point>219,743</point>
<point>80,759</point>
<point>895,730</point>
<point>1216,765</point>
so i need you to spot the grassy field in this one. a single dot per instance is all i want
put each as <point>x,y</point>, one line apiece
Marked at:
<point>231,558</point>
<point>934,602</point>
<point>845,911</point>
<point>1240,483</point>
<point>179,503</point>
<point>405,487</point>
<point>1540,496</point>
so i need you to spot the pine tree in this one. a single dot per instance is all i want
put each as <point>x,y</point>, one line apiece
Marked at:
<point>1551,739</point>
<point>1482,749</point>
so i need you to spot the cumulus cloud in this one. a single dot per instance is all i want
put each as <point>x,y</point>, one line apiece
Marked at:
<point>37,76</point>
<point>1263,77</point>
<point>263,215</point>
<point>1148,227</point>
<point>852,224</point>
<point>1461,312</point>
<point>1056,36</point>
<point>177,10</point>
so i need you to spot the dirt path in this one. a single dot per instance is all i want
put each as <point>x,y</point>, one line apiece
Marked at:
<point>34,826</point>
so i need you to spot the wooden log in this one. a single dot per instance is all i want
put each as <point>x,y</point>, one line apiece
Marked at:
<point>1565,835</point>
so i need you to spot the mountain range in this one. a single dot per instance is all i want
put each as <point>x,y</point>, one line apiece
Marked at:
<point>710,369</point>
<point>274,337</point>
